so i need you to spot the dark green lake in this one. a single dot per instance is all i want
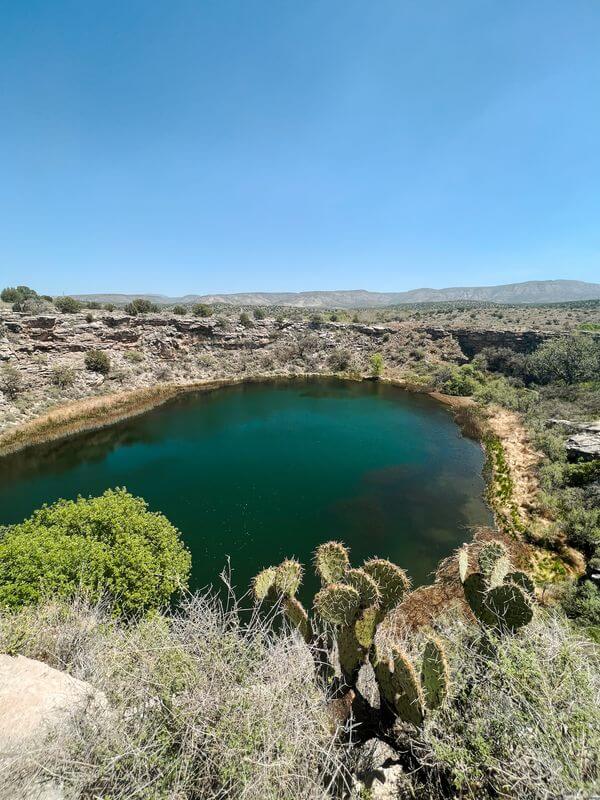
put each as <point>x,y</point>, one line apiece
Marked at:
<point>263,471</point>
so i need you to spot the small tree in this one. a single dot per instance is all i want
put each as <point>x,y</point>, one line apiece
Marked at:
<point>245,320</point>
<point>97,361</point>
<point>202,310</point>
<point>259,313</point>
<point>17,294</point>
<point>140,306</point>
<point>67,305</point>
<point>376,365</point>
<point>179,310</point>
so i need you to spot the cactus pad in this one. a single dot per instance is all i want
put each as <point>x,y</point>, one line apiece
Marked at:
<point>297,615</point>
<point>383,676</point>
<point>489,555</point>
<point>365,586</point>
<point>499,571</point>
<point>508,607</point>
<point>263,585</point>
<point>475,588</point>
<point>350,653</point>
<point>288,577</point>
<point>408,695</point>
<point>463,563</point>
<point>338,604</point>
<point>522,580</point>
<point>391,580</point>
<point>331,562</point>
<point>366,625</point>
<point>435,677</point>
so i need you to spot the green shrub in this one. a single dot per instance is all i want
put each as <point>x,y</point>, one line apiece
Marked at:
<point>63,377</point>
<point>245,320</point>
<point>582,603</point>
<point>582,473</point>
<point>97,361</point>
<point>67,305</point>
<point>17,294</point>
<point>140,306</point>
<point>571,359</point>
<point>202,310</point>
<point>463,381</point>
<point>179,310</point>
<point>109,306</point>
<point>259,313</point>
<point>11,381</point>
<point>108,545</point>
<point>376,365</point>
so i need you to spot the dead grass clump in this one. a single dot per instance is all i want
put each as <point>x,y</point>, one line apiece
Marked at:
<point>201,704</point>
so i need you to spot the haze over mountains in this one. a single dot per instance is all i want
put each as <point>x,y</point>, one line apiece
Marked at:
<point>557,291</point>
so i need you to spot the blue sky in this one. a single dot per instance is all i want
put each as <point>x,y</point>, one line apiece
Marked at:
<point>208,145</point>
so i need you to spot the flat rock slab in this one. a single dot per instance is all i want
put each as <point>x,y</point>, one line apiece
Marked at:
<point>34,697</point>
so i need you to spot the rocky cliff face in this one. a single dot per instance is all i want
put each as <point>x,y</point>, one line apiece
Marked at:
<point>46,352</point>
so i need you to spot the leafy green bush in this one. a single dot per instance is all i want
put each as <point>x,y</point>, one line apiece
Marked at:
<point>582,473</point>
<point>202,310</point>
<point>108,545</point>
<point>376,365</point>
<point>582,603</point>
<point>463,381</point>
<point>259,313</point>
<point>571,359</point>
<point>179,310</point>
<point>245,320</point>
<point>17,294</point>
<point>67,305</point>
<point>140,306</point>
<point>97,361</point>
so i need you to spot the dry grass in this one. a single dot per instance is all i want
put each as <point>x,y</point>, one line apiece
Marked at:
<point>207,703</point>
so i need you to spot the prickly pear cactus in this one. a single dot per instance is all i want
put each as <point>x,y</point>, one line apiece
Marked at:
<point>463,563</point>
<point>263,585</point>
<point>508,607</point>
<point>475,588</point>
<point>489,555</point>
<point>366,624</point>
<point>337,604</point>
<point>408,695</point>
<point>365,586</point>
<point>288,577</point>
<point>435,675</point>
<point>298,616</point>
<point>391,580</point>
<point>522,580</point>
<point>331,562</point>
<point>350,653</point>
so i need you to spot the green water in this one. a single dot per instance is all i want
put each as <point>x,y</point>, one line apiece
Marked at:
<point>264,471</point>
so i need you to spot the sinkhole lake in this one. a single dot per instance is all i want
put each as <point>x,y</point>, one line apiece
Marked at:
<point>258,472</point>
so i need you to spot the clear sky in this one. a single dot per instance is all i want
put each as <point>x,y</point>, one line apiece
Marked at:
<point>209,145</point>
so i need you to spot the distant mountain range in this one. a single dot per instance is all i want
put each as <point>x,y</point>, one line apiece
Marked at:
<point>528,292</point>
